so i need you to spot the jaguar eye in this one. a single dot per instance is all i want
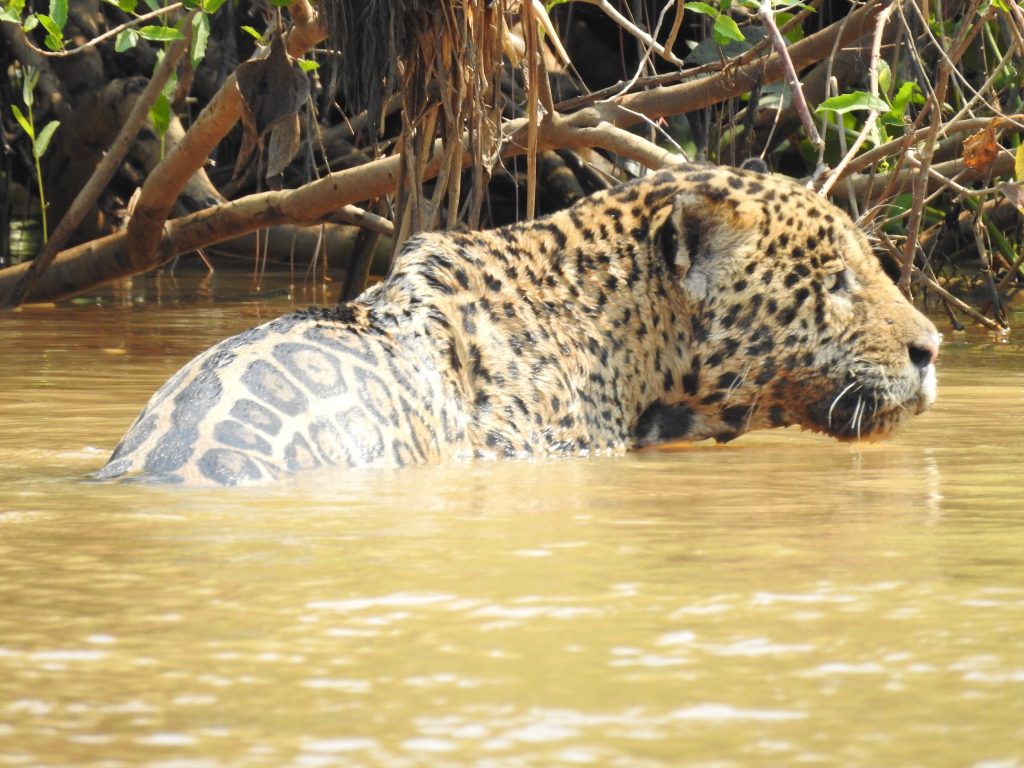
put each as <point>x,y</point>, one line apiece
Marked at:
<point>836,281</point>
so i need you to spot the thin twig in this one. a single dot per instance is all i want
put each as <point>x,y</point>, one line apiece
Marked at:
<point>647,54</point>
<point>897,147</point>
<point>541,15</point>
<point>949,298</point>
<point>872,116</point>
<point>636,32</point>
<point>108,34</point>
<point>946,67</point>
<point>914,161</point>
<point>532,99</point>
<point>799,102</point>
<point>921,179</point>
<point>104,172</point>
<point>1017,23</point>
<point>952,57</point>
<point>674,78</point>
<point>151,239</point>
<point>677,22</point>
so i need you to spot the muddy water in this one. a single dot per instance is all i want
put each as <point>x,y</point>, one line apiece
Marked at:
<point>783,600</point>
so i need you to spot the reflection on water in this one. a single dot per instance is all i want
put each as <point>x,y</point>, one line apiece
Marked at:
<point>784,599</point>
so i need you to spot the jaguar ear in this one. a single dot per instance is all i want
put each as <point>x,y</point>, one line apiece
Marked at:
<point>682,236</point>
<point>700,229</point>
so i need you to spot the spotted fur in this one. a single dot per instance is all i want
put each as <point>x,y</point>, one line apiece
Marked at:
<point>694,303</point>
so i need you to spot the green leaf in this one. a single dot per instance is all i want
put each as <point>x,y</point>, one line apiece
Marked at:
<point>128,6</point>
<point>704,8</point>
<point>28,85</point>
<point>12,11</point>
<point>884,76</point>
<point>212,6</point>
<point>23,121</point>
<point>794,34</point>
<point>153,5</point>
<point>55,39</point>
<point>170,85</point>
<point>726,30</point>
<point>42,142</point>
<point>308,65</point>
<point>31,22</point>
<point>200,36</point>
<point>280,3</point>
<point>908,93</point>
<point>848,102</point>
<point>59,13</point>
<point>126,40</point>
<point>160,114</point>
<point>249,30</point>
<point>160,34</point>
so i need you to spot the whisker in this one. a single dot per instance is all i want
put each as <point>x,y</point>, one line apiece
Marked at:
<point>853,416</point>
<point>839,397</point>
<point>752,410</point>
<point>739,381</point>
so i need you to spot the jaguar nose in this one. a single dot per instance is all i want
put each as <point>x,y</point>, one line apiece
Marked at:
<point>924,351</point>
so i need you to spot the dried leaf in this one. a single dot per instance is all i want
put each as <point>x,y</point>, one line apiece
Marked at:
<point>1018,163</point>
<point>250,140</point>
<point>980,150</point>
<point>1014,193</point>
<point>284,143</point>
<point>273,89</point>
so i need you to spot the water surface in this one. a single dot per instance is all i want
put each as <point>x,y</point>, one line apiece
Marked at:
<point>783,600</point>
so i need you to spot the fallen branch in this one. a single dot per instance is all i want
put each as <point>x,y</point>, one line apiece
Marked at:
<point>937,175</point>
<point>163,186</point>
<point>920,277</point>
<point>104,172</point>
<point>150,242</point>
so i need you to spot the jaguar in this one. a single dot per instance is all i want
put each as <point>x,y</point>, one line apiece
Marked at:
<point>696,302</point>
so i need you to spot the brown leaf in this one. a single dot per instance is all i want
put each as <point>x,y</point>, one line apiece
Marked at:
<point>284,143</point>
<point>980,150</point>
<point>272,89</point>
<point>1014,194</point>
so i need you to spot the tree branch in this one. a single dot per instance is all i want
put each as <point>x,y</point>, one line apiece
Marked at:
<point>149,242</point>
<point>165,184</point>
<point>104,171</point>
